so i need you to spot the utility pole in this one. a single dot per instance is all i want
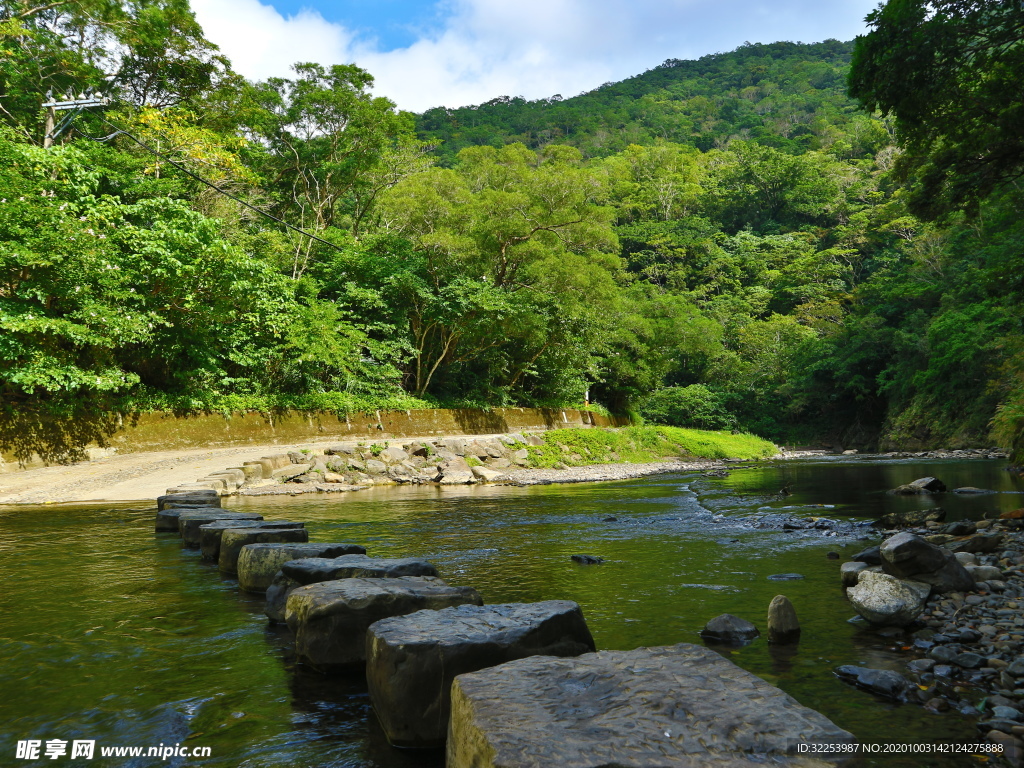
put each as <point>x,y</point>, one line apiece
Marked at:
<point>71,104</point>
<point>51,121</point>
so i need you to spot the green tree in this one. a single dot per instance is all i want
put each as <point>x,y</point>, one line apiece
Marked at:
<point>767,189</point>
<point>101,299</point>
<point>151,52</point>
<point>952,73</point>
<point>332,148</point>
<point>515,259</point>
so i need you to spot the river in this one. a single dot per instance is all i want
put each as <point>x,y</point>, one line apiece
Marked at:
<point>115,634</point>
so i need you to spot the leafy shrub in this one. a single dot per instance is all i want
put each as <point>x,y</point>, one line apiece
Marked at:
<point>694,406</point>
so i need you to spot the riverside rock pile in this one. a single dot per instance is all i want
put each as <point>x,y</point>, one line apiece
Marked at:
<point>949,453</point>
<point>421,642</point>
<point>503,460</point>
<point>956,592</point>
<point>355,466</point>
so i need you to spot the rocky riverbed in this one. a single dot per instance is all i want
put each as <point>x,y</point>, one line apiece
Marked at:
<point>963,642</point>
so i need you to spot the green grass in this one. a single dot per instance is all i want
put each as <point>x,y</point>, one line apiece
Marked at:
<point>578,447</point>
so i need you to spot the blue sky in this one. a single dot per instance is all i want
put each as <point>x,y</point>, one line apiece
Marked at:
<point>391,23</point>
<point>458,52</point>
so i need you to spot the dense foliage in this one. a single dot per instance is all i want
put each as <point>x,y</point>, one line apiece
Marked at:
<point>723,243</point>
<point>950,71</point>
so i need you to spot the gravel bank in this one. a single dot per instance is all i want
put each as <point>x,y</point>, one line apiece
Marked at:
<point>599,472</point>
<point>965,650</point>
<point>969,654</point>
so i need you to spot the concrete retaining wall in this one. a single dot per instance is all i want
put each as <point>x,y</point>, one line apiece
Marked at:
<point>161,432</point>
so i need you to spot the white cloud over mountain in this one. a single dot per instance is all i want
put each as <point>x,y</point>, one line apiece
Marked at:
<point>530,48</point>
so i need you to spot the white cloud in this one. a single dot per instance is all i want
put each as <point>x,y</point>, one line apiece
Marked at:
<point>530,48</point>
<point>261,43</point>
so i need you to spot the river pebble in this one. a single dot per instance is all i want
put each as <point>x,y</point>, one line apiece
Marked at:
<point>967,656</point>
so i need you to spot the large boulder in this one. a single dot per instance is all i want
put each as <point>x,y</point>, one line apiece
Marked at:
<point>921,485</point>
<point>313,570</point>
<point>907,556</point>
<point>393,455</point>
<point>412,660</point>
<point>984,572</point>
<point>258,563</point>
<point>871,556</point>
<point>211,533</point>
<point>489,475</point>
<point>682,706</point>
<point>190,522</point>
<point>330,619</point>
<point>881,682</point>
<point>980,544</point>
<point>929,485</point>
<point>850,572</point>
<point>729,630</point>
<point>887,601</point>
<point>233,539</point>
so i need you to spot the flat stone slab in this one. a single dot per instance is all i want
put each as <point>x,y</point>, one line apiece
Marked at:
<point>312,570</point>
<point>210,534</point>
<point>189,522</point>
<point>412,660</point>
<point>680,706</point>
<point>259,563</point>
<point>233,539</point>
<point>330,618</point>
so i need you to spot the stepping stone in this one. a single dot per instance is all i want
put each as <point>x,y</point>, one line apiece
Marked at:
<point>190,521</point>
<point>210,534</point>
<point>330,619</point>
<point>167,518</point>
<point>259,563</point>
<point>312,570</point>
<point>681,705</point>
<point>412,660</point>
<point>233,539</point>
<point>196,498</point>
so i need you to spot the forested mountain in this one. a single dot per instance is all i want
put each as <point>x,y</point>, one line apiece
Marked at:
<point>789,96</point>
<point>731,242</point>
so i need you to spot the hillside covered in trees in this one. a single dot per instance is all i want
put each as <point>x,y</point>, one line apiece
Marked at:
<point>788,96</point>
<point>732,242</point>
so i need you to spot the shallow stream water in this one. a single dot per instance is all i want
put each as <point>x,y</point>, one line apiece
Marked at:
<point>112,633</point>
